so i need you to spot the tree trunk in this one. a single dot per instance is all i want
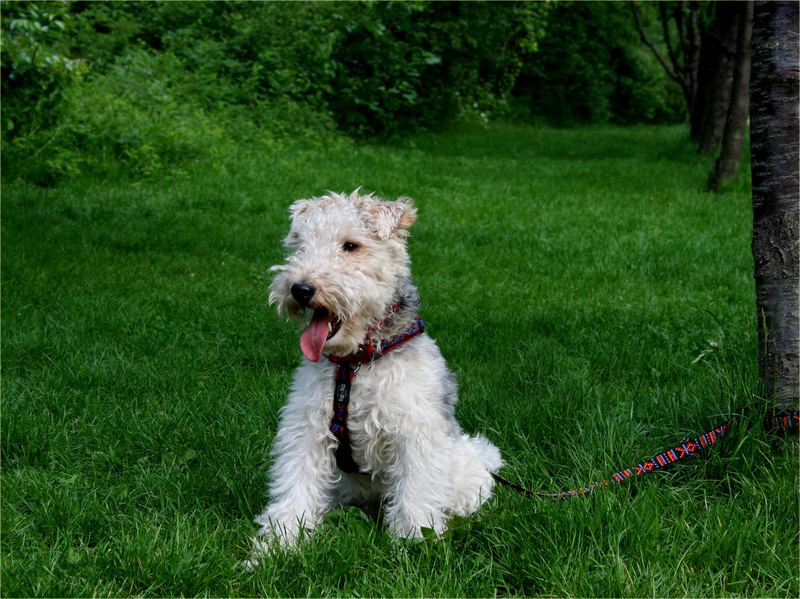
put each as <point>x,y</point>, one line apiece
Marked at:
<point>691,51</point>
<point>774,146</point>
<point>727,165</point>
<point>717,62</point>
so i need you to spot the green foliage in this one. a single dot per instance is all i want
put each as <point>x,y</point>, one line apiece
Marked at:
<point>35,69</point>
<point>37,74</point>
<point>575,280</point>
<point>157,93</point>
<point>591,67</point>
<point>137,116</point>
<point>151,88</point>
<point>402,66</point>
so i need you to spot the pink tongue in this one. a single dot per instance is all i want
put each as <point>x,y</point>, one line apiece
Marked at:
<point>314,337</point>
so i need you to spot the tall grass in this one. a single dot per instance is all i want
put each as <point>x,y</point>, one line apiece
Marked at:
<point>596,304</point>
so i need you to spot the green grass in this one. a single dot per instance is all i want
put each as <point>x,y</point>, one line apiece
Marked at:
<point>571,278</point>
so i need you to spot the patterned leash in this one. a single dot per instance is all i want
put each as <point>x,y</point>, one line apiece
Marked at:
<point>661,461</point>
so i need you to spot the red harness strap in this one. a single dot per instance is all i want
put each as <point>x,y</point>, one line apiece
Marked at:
<point>338,426</point>
<point>346,370</point>
<point>367,352</point>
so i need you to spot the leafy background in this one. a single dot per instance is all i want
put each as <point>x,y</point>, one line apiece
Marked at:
<point>147,89</point>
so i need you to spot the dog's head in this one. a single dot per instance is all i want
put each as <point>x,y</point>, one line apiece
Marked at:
<point>348,258</point>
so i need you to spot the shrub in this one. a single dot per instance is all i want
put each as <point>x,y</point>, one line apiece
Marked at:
<point>401,66</point>
<point>147,88</point>
<point>591,67</point>
<point>37,75</point>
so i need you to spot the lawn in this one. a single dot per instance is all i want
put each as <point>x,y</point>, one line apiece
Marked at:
<point>595,302</point>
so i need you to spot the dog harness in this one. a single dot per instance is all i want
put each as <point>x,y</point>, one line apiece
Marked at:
<point>347,366</point>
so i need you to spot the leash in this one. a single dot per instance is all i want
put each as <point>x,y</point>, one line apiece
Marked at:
<point>785,422</point>
<point>349,365</point>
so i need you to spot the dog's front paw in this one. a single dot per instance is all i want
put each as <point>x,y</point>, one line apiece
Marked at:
<point>261,547</point>
<point>271,539</point>
<point>256,553</point>
<point>277,533</point>
<point>416,526</point>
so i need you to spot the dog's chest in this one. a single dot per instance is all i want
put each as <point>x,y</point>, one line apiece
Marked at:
<point>384,398</point>
<point>371,419</point>
<point>370,424</point>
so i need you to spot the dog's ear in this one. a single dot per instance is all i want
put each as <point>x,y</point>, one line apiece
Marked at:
<point>297,209</point>
<point>392,218</point>
<point>296,212</point>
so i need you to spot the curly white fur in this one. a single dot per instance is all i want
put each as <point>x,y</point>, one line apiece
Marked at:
<point>422,467</point>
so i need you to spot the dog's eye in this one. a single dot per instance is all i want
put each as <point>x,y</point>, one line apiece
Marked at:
<point>349,246</point>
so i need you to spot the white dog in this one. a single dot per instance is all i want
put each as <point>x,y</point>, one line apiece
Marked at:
<point>392,436</point>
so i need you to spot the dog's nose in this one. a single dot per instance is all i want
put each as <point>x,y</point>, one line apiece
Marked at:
<point>303,292</point>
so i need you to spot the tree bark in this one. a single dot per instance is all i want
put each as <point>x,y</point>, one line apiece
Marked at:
<point>706,67</point>
<point>691,50</point>
<point>775,130</point>
<point>727,165</point>
<point>715,77</point>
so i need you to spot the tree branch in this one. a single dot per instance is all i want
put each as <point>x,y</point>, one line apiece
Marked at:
<point>643,36</point>
<point>673,56</point>
<point>695,41</point>
<point>681,23</point>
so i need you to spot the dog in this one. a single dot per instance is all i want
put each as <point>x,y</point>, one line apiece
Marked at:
<point>367,358</point>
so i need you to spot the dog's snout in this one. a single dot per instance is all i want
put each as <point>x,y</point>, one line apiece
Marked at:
<point>303,292</point>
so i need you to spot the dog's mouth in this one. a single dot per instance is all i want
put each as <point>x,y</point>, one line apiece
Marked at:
<point>323,326</point>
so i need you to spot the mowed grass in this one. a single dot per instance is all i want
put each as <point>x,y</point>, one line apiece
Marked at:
<point>595,302</point>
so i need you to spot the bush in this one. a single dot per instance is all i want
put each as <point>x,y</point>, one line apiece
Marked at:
<point>402,66</point>
<point>591,67</point>
<point>136,117</point>
<point>145,104</point>
<point>36,77</point>
<point>152,88</point>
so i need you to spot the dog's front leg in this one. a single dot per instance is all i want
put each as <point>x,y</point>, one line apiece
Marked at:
<point>301,477</point>
<point>420,486</point>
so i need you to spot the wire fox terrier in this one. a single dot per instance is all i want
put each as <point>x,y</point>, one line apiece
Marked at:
<point>370,415</point>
